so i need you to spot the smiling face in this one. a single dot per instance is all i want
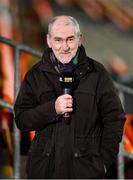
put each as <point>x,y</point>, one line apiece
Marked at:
<point>63,39</point>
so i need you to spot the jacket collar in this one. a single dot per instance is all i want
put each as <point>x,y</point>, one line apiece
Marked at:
<point>46,64</point>
<point>85,64</point>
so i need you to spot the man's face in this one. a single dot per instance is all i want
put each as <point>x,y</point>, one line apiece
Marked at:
<point>63,40</point>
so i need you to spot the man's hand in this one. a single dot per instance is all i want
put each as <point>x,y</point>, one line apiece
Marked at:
<point>64,104</point>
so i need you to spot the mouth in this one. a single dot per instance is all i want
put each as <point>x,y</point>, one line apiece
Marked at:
<point>65,53</point>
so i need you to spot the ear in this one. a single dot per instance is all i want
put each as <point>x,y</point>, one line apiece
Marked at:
<point>48,41</point>
<point>80,39</point>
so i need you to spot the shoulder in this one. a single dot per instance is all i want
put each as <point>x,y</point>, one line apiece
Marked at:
<point>101,73</point>
<point>40,65</point>
<point>34,71</point>
<point>36,67</point>
<point>98,66</point>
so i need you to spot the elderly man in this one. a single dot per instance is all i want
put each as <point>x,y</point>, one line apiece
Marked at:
<point>78,131</point>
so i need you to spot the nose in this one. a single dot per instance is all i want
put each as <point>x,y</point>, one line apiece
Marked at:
<point>65,46</point>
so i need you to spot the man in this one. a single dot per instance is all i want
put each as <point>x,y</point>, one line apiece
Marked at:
<point>87,143</point>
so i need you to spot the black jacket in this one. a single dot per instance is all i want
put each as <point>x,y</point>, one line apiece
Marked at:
<point>90,143</point>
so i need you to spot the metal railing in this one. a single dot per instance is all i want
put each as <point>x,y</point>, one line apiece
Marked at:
<point>18,48</point>
<point>16,134</point>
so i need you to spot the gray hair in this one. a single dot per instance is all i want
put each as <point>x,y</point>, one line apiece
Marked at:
<point>72,21</point>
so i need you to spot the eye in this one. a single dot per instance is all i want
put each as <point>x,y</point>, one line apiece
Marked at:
<point>71,39</point>
<point>57,40</point>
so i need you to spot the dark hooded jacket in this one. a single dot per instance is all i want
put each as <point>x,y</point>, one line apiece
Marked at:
<point>88,145</point>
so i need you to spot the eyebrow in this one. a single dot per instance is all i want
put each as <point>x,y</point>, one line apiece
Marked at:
<point>56,37</point>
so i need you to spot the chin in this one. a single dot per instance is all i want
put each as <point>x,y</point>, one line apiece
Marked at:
<point>65,61</point>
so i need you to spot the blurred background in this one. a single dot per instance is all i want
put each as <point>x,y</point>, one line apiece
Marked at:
<point>107,26</point>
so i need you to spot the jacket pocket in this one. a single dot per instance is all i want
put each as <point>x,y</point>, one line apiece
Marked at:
<point>88,162</point>
<point>39,161</point>
<point>38,165</point>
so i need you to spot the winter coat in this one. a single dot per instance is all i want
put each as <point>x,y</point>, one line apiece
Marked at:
<point>89,144</point>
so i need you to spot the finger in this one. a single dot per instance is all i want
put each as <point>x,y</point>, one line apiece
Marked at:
<point>67,96</point>
<point>69,101</point>
<point>68,109</point>
<point>69,105</point>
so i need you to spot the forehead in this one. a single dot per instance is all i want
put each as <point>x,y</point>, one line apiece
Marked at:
<point>63,27</point>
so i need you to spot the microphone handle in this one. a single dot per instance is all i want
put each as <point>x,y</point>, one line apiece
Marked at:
<point>66,91</point>
<point>66,115</point>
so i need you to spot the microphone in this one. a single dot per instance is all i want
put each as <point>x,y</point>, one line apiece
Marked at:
<point>67,81</point>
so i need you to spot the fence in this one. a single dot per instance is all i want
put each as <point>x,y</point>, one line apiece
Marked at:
<point>16,134</point>
<point>18,48</point>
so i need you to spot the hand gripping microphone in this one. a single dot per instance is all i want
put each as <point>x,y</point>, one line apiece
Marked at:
<point>67,80</point>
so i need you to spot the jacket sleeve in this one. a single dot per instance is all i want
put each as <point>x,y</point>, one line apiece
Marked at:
<point>29,115</point>
<point>113,118</point>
